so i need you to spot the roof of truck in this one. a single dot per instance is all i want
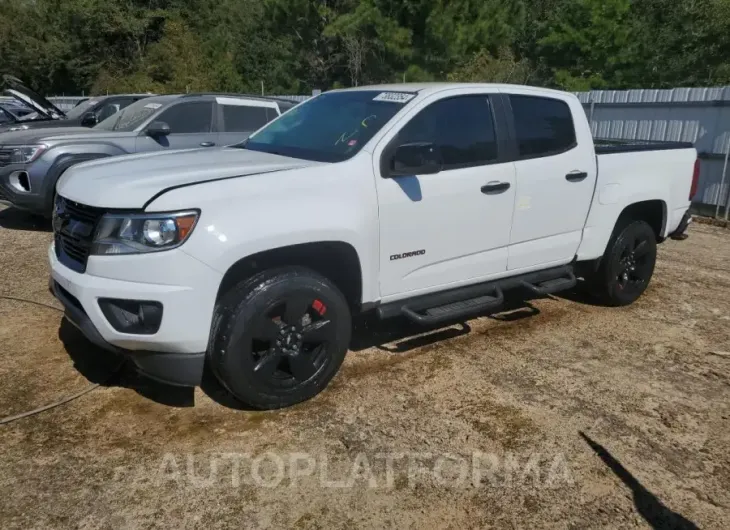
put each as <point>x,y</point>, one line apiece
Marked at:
<point>428,88</point>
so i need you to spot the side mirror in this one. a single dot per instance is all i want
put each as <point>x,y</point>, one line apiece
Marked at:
<point>420,158</point>
<point>89,119</point>
<point>158,128</point>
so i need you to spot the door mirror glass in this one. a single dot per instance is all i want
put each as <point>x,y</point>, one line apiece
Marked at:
<point>89,119</point>
<point>421,158</point>
<point>158,128</point>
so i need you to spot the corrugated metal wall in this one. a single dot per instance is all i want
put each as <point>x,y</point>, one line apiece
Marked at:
<point>697,115</point>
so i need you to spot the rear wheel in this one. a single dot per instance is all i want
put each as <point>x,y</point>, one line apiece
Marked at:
<point>628,264</point>
<point>279,337</point>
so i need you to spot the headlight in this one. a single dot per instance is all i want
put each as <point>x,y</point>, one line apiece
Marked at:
<point>139,233</point>
<point>18,128</point>
<point>25,154</point>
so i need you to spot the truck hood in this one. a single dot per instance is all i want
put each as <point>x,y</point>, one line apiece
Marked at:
<point>15,88</point>
<point>130,181</point>
<point>56,134</point>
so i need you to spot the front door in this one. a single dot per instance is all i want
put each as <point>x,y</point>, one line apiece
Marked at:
<point>191,126</point>
<point>450,228</point>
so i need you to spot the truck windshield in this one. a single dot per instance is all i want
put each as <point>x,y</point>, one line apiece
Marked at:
<point>329,128</point>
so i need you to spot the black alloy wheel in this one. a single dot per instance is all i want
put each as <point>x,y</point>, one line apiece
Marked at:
<point>279,337</point>
<point>628,264</point>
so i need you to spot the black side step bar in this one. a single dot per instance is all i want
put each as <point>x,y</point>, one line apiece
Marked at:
<point>435,315</point>
<point>552,286</point>
<point>464,301</point>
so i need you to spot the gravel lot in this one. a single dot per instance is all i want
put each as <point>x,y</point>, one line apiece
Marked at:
<point>557,414</point>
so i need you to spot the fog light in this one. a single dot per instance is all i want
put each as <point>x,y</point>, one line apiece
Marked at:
<point>20,180</point>
<point>132,316</point>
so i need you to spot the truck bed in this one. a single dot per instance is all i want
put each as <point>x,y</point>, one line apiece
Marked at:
<point>607,146</point>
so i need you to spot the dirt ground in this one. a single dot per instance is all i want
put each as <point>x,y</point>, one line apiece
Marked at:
<point>557,414</point>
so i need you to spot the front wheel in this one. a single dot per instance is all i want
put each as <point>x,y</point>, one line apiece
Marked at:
<point>279,337</point>
<point>627,266</point>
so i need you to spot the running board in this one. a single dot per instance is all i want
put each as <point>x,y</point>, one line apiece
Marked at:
<point>552,286</point>
<point>457,303</point>
<point>454,310</point>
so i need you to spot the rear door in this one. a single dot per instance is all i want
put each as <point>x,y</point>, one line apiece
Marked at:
<point>191,126</point>
<point>238,118</point>
<point>450,228</point>
<point>555,177</point>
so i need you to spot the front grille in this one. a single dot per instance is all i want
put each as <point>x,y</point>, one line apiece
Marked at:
<point>5,157</point>
<point>74,226</point>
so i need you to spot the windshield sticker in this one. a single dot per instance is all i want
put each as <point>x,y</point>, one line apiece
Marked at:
<point>364,122</point>
<point>153,105</point>
<point>394,97</point>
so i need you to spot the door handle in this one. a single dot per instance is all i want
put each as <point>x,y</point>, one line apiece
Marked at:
<point>576,176</point>
<point>495,187</point>
<point>207,144</point>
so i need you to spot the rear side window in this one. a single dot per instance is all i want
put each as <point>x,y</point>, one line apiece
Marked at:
<point>543,126</point>
<point>462,127</point>
<point>189,118</point>
<point>242,118</point>
<point>271,113</point>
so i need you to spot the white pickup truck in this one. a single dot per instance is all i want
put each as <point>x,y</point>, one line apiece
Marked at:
<point>426,201</point>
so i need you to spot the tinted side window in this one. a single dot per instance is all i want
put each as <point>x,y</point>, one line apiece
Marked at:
<point>543,126</point>
<point>462,127</point>
<point>241,118</point>
<point>107,109</point>
<point>187,118</point>
<point>271,113</point>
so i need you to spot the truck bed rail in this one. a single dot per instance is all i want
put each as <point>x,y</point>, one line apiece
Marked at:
<point>606,146</point>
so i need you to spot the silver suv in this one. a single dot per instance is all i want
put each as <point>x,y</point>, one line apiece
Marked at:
<point>32,161</point>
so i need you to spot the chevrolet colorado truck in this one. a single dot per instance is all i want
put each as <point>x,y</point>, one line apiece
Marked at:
<point>421,201</point>
<point>31,161</point>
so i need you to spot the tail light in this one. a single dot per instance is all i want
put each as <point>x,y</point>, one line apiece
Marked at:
<point>695,180</point>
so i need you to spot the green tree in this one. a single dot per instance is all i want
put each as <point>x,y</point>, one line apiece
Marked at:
<point>483,67</point>
<point>589,44</point>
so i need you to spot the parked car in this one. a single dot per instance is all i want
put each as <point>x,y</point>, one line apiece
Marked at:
<point>46,114</point>
<point>422,201</point>
<point>12,111</point>
<point>32,161</point>
<point>8,114</point>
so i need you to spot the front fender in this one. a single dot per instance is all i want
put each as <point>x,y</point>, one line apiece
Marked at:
<point>243,216</point>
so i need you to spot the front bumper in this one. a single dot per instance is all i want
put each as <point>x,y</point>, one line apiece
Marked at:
<point>175,353</point>
<point>33,200</point>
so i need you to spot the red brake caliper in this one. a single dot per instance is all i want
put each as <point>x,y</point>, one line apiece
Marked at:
<point>319,307</point>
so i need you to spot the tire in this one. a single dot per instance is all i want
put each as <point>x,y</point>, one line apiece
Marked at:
<point>279,337</point>
<point>628,264</point>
